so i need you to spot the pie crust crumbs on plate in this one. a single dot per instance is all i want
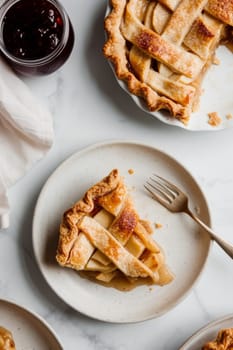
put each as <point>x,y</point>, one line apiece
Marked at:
<point>6,339</point>
<point>214,119</point>
<point>103,236</point>
<point>162,49</point>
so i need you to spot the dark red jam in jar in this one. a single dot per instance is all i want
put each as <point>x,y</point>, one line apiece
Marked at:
<point>36,35</point>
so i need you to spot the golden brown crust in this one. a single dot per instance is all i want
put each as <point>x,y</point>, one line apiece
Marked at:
<point>221,9</point>
<point>125,223</point>
<point>6,339</point>
<point>224,341</point>
<point>114,50</point>
<point>178,39</point>
<point>102,233</point>
<point>69,228</point>
<point>107,244</point>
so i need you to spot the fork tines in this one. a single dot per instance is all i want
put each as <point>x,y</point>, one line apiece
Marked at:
<point>161,189</point>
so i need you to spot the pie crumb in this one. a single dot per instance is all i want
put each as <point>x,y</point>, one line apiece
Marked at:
<point>214,119</point>
<point>131,171</point>
<point>229,116</point>
<point>216,61</point>
<point>158,225</point>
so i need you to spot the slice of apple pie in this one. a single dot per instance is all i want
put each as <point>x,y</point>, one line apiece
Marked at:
<point>162,49</point>
<point>103,236</point>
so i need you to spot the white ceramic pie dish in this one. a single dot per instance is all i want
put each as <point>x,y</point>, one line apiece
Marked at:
<point>186,248</point>
<point>217,95</point>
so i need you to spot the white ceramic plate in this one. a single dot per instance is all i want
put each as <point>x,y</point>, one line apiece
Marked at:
<point>217,95</point>
<point>185,248</point>
<point>207,333</point>
<point>28,329</point>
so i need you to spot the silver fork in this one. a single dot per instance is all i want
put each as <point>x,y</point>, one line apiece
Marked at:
<point>176,201</point>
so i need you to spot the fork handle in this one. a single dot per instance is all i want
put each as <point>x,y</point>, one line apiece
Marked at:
<point>227,247</point>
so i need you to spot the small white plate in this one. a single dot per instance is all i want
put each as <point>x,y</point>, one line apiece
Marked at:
<point>185,247</point>
<point>29,330</point>
<point>207,333</point>
<point>216,97</point>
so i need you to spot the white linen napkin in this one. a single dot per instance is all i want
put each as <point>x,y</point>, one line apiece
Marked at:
<point>26,133</point>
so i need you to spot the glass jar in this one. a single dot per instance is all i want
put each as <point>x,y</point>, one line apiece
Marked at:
<point>36,36</point>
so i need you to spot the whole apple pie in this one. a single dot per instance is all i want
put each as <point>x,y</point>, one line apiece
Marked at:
<point>103,236</point>
<point>162,49</point>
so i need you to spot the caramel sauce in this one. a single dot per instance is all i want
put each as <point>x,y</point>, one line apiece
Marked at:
<point>123,284</point>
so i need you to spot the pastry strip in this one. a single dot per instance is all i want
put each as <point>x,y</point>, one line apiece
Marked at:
<point>155,46</point>
<point>221,9</point>
<point>178,26</point>
<point>108,245</point>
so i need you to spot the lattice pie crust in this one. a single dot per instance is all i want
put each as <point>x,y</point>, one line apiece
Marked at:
<point>162,49</point>
<point>103,235</point>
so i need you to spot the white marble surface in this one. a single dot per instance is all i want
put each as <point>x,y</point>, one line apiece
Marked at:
<point>88,106</point>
